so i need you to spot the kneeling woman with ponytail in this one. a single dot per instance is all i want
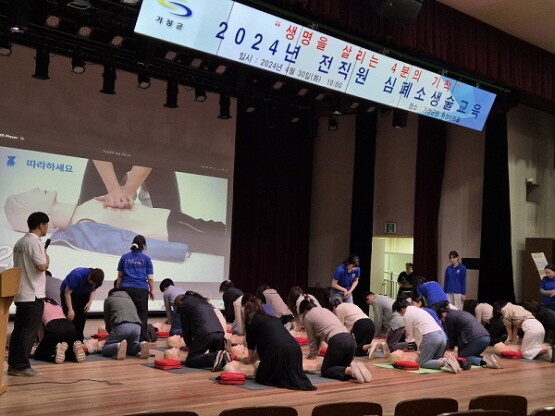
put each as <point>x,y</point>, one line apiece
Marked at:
<point>322,325</point>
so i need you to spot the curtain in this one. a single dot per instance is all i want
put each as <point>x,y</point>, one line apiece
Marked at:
<point>430,162</point>
<point>362,210</point>
<point>271,200</point>
<point>496,270</point>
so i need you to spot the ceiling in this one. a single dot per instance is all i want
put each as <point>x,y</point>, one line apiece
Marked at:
<point>530,20</point>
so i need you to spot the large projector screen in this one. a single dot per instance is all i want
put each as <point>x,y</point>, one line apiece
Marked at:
<point>56,136</point>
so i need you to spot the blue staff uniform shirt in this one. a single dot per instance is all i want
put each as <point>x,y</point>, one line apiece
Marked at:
<point>455,279</point>
<point>344,278</point>
<point>78,281</point>
<point>548,284</point>
<point>432,292</point>
<point>135,267</point>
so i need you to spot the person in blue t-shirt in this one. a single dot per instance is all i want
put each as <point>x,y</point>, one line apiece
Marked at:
<point>136,277</point>
<point>77,293</point>
<point>547,287</point>
<point>431,291</point>
<point>345,280</point>
<point>454,283</point>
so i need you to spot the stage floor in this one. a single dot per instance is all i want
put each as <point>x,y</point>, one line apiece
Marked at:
<point>111,387</point>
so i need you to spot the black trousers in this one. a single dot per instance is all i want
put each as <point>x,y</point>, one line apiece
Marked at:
<point>197,357</point>
<point>140,299</point>
<point>55,331</point>
<point>26,326</point>
<point>341,350</point>
<point>363,330</point>
<point>78,302</point>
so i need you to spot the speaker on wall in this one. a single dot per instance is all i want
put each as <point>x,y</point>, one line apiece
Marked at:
<point>400,11</point>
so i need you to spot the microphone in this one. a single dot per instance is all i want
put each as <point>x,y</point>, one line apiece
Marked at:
<point>47,243</point>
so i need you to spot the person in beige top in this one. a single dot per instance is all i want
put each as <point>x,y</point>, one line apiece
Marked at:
<point>515,317</point>
<point>322,325</point>
<point>272,298</point>
<point>357,322</point>
<point>482,311</point>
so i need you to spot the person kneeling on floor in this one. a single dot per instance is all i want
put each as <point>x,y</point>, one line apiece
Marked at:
<point>124,326</point>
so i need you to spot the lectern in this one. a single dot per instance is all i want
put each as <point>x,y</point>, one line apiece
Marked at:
<point>9,287</point>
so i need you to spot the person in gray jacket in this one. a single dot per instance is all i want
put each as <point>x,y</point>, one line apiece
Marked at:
<point>124,326</point>
<point>382,311</point>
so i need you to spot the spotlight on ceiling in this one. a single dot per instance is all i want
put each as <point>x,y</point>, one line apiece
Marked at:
<point>109,76</point>
<point>171,94</point>
<point>220,69</point>
<point>250,104</point>
<point>143,77</point>
<point>84,32</point>
<point>200,94</point>
<point>130,2</point>
<point>333,123</point>
<point>302,92</point>
<point>196,63</point>
<point>117,41</point>
<point>399,119</point>
<point>42,61</point>
<point>278,85</point>
<point>79,4</point>
<point>320,96</point>
<point>5,46</point>
<point>170,55</point>
<point>225,104</point>
<point>295,119</point>
<point>77,64</point>
<point>52,21</point>
<point>18,16</point>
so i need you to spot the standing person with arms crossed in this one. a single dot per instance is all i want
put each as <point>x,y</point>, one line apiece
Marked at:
<point>454,283</point>
<point>345,280</point>
<point>136,277</point>
<point>30,255</point>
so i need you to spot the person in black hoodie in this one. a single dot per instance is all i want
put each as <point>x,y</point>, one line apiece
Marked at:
<point>202,331</point>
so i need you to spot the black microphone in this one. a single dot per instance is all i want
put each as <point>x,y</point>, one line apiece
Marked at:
<point>47,243</point>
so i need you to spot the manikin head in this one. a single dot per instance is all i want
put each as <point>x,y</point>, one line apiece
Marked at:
<point>18,207</point>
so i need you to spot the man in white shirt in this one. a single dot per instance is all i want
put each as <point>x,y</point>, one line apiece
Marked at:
<point>30,255</point>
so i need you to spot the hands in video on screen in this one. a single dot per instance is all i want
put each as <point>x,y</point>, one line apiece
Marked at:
<point>121,193</point>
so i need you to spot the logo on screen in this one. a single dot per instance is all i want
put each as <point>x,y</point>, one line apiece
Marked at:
<point>179,9</point>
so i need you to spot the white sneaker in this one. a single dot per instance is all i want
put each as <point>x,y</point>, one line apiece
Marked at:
<point>357,373</point>
<point>495,362</point>
<point>145,350</point>
<point>61,349</point>
<point>372,351</point>
<point>452,363</point>
<point>79,351</point>
<point>122,350</point>
<point>366,374</point>
<point>385,349</point>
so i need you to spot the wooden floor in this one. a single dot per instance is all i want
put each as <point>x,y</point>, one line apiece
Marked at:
<point>123,387</point>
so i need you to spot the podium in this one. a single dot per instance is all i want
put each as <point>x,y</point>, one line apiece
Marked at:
<point>9,287</point>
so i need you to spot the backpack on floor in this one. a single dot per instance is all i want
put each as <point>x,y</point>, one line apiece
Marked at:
<point>151,333</point>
